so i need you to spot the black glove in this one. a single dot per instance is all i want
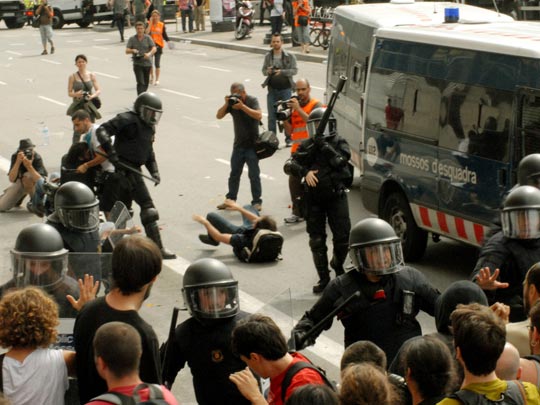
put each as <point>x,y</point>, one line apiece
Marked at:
<point>301,341</point>
<point>156,177</point>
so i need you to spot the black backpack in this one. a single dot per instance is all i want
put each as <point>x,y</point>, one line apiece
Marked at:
<point>514,395</point>
<point>155,396</point>
<point>265,247</point>
<point>294,369</point>
<point>266,144</point>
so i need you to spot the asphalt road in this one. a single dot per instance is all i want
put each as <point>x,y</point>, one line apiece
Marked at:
<point>193,150</point>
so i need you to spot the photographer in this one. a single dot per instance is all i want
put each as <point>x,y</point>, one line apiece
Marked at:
<point>246,115</point>
<point>279,67</point>
<point>298,110</point>
<point>25,170</point>
<point>142,48</point>
<point>45,14</point>
<point>322,161</point>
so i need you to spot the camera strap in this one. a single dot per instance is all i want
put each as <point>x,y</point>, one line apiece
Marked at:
<point>84,84</point>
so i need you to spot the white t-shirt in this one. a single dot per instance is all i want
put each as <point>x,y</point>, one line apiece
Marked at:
<point>277,10</point>
<point>106,165</point>
<point>41,378</point>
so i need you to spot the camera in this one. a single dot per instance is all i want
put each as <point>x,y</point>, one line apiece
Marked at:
<point>283,111</point>
<point>234,99</point>
<point>86,95</point>
<point>28,153</point>
<point>138,55</point>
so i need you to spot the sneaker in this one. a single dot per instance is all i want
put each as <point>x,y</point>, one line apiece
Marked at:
<point>156,83</point>
<point>208,240</point>
<point>52,50</point>
<point>293,219</point>
<point>44,52</point>
<point>257,206</point>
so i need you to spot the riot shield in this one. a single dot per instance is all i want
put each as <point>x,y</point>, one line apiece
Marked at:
<point>118,225</point>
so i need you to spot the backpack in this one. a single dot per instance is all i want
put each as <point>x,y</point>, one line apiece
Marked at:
<point>294,369</point>
<point>266,247</point>
<point>155,396</point>
<point>514,395</point>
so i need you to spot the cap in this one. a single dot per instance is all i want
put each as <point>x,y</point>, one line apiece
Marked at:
<point>25,144</point>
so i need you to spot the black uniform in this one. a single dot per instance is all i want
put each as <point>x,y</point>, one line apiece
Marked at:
<point>378,314</point>
<point>206,349</point>
<point>327,200</point>
<point>513,257</point>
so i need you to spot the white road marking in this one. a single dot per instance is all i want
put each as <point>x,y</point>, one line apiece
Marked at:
<point>215,68</point>
<point>106,75</point>
<point>325,347</point>
<point>52,101</point>
<point>101,39</point>
<point>3,83</point>
<point>17,44</point>
<point>181,94</point>
<point>74,41</point>
<point>52,62</point>
<point>104,48</point>
<point>318,88</point>
<point>226,162</point>
<point>14,53</point>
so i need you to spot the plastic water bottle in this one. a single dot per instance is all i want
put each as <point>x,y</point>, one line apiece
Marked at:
<point>45,134</point>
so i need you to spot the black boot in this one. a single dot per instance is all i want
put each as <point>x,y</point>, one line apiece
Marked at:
<point>321,264</point>
<point>338,259</point>
<point>152,231</point>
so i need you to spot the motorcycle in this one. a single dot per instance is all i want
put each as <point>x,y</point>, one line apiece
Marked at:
<point>244,19</point>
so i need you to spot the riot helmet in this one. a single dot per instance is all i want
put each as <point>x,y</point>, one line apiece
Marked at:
<point>520,215</point>
<point>315,118</point>
<point>210,291</point>
<point>375,248</point>
<point>148,107</point>
<point>39,257</point>
<point>529,170</point>
<point>76,207</point>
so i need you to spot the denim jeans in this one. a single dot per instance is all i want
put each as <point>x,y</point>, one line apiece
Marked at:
<point>239,157</point>
<point>142,76</point>
<point>223,225</point>
<point>273,96</point>
<point>189,15</point>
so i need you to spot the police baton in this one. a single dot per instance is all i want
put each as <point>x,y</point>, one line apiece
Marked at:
<point>128,167</point>
<point>330,106</point>
<point>316,328</point>
<point>168,346</point>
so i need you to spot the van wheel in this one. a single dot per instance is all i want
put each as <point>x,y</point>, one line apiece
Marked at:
<point>58,20</point>
<point>397,213</point>
<point>83,23</point>
<point>12,23</point>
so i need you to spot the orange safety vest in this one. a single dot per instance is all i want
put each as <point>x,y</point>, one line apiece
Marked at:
<point>306,11</point>
<point>299,129</point>
<point>156,32</point>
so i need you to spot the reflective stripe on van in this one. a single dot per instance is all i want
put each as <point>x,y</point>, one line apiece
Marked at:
<point>448,225</point>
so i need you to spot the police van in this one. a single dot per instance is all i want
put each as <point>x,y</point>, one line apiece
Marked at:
<point>80,12</point>
<point>438,114</point>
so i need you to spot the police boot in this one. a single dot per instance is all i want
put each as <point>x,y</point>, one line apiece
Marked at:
<point>321,264</point>
<point>338,259</point>
<point>152,231</point>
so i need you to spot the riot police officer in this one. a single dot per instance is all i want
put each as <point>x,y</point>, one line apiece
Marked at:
<point>507,255</point>
<point>134,136</point>
<point>390,293</point>
<point>529,170</point>
<point>322,161</point>
<point>203,341</point>
<point>40,259</point>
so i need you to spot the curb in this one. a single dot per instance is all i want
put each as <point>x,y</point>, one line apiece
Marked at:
<point>245,48</point>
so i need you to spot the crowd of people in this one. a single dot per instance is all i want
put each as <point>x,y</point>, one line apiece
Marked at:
<point>488,328</point>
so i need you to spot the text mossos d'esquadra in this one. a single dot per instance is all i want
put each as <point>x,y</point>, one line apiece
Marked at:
<point>443,169</point>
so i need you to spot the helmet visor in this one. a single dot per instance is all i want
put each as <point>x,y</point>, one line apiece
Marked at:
<point>37,271</point>
<point>329,129</point>
<point>521,224</point>
<point>150,116</point>
<point>82,219</point>
<point>213,302</point>
<point>380,259</point>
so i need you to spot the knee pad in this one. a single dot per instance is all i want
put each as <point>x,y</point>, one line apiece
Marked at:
<point>149,215</point>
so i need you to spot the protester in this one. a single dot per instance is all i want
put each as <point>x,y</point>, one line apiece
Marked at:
<point>262,346</point>
<point>200,11</point>
<point>186,12</point>
<point>508,366</point>
<point>302,10</point>
<point>136,263</point>
<point>530,364</point>
<point>118,349</point>
<point>31,372</point>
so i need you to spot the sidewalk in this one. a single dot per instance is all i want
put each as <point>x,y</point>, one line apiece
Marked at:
<point>254,43</point>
